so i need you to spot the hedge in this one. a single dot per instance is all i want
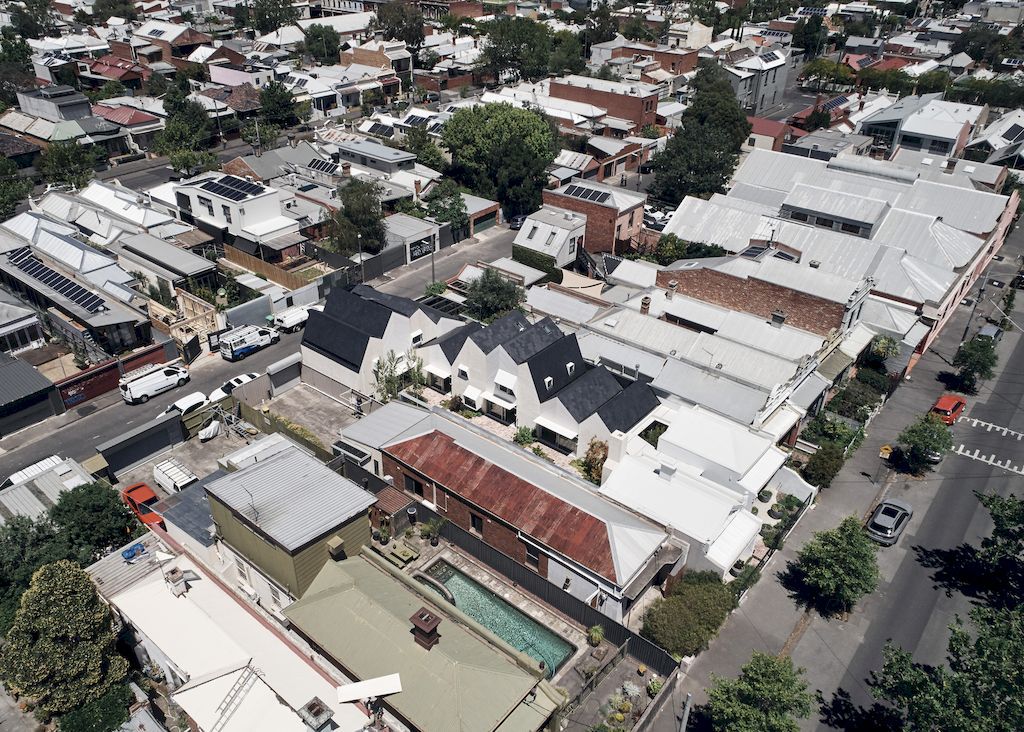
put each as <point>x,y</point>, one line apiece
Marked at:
<point>684,622</point>
<point>538,260</point>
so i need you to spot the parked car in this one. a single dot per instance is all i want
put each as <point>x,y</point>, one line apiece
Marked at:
<point>432,96</point>
<point>516,222</point>
<point>1018,282</point>
<point>991,333</point>
<point>949,407</point>
<point>292,319</point>
<point>888,521</point>
<point>225,389</point>
<point>240,342</point>
<point>140,498</point>
<point>138,386</point>
<point>188,404</point>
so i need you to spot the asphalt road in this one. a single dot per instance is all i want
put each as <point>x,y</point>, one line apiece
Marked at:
<point>109,416</point>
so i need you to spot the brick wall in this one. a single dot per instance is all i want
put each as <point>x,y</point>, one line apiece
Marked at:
<point>466,9</point>
<point>496,533</point>
<point>602,221</point>
<point>677,61</point>
<point>757,297</point>
<point>642,111</point>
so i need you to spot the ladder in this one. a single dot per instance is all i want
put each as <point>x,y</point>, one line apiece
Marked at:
<point>236,694</point>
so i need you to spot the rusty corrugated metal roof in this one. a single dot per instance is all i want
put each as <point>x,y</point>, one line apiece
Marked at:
<point>544,517</point>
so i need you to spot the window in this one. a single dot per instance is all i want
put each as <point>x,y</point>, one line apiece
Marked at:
<point>417,337</point>
<point>463,372</point>
<point>476,524</point>
<point>570,368</point>
<point>275,596</point>
<point>532,557</point>
<point>502,389</point>
<point>798,216</point>
<point>851,228</point>
<point>824,223</point>
<point>572,245</point>
<point>548,382</point>
<point>533,230</point>
<point>751,141</point>
<point>207,203</point>
<point>414,486</point>
<point>227,213</point>
<point>243,571</point>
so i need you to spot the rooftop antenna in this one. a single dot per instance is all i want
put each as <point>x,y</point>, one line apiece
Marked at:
<point>252,505</point>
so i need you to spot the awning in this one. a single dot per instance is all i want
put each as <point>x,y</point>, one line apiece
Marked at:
<point>916,334</point>
<point>858,339</point>
<point>763,470</point>
<point>504,378</point>
<point>380,686</point>
<point>472,394</point>
<point>780,423</point>
<point>566,432</point>
<point>284,241</point>
<point>836,363</point>
<point>736,541</point>
<point>490,396</point>
<point>441,372</point>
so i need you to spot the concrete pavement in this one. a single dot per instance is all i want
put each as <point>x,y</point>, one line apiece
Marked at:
<point>909,607</point>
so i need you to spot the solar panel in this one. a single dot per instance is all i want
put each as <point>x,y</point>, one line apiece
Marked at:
<point>156,33</point>
<point>22,259</point>
<point>323,166</point>
<point>833,103</point>
<point>247,188</point>
<point>416,121</point>
<point>223,191</point>
<point>1013,133</point>
<point>770,56</point>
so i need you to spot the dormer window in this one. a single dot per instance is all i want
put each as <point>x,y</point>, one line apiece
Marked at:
<point>548,382</point>
<point>570,368</point>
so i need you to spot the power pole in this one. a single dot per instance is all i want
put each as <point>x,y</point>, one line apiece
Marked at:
<point>686,712</point>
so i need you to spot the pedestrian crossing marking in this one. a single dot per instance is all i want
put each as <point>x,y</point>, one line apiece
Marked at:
<point>989,427</point>
<point>1006,464</point>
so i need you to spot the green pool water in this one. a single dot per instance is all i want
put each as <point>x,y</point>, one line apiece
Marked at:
<point>504,620</point>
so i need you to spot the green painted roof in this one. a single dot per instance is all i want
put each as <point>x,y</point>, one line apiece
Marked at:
<point>359,613</point>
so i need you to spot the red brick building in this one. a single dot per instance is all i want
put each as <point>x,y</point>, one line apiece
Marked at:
<point>615,216</point>
<point>673,60</point>
<point>636,102</point>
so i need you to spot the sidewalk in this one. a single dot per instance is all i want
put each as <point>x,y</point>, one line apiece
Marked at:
<point>767,617</point>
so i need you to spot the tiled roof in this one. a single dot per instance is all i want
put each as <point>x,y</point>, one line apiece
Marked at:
<point>124,116</point>
<point>242,98</point>
<point>391,500</point>
<point>546,518</point>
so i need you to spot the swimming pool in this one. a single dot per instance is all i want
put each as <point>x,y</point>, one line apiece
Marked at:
<point>507,622</point>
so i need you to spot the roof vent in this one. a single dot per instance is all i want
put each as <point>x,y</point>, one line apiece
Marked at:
<point>570,368</point>
<point>548,382</point>
<point>667,470</point>
<point>424,628</point>
<point>316,715</point>
<point>778,318</point>
<point>815,264</point>
<point>672,285</point>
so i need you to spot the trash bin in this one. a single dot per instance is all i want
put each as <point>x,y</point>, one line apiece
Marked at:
<point>411,513</point>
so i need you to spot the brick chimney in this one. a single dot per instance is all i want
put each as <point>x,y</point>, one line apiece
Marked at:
<point>672,286</point>
<point>316,715</point>
<point>424,628</point>
<point>645,305</point>
<point>416,183</point>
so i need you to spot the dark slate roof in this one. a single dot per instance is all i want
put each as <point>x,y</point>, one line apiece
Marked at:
<point>338,341</point>
<point>18,379</point>
<point>500,331</point>
<point>401,305</point>
<point>451,343</point>
<point>589,392</point>
<point>628,407</point>
<point>552,362</point>
<point>189,510</point>
<point>11,146</point>
<point>345,306</point>
<point>537,337</point>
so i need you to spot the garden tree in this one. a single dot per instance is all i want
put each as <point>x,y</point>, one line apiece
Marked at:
<point>427,153</point>
<point>304,111</point>
<point>925,437</point>
<point>635,29</point>
<point>13,188</point>
<point>769,695</point>
<point>69,163</point>
<point>93,520</point>
<point>826,71</point>
<point>110,89</point>
<point>260,134</point>
<point>896,80</point>
<point>60,648</point>
<point>187,128</point>
<point>103,10</point>
<point>32,19</point>
<point>427,60</point>
<point>684,622</point>
<point>25,546</point>
<point>566,54</point>
<point>15,66</point>
<point>700,158</point>
<point>323,43</point>
<point>824,465</point>
<point>591,465</point>
<point>516,47</point>
<point>978,690</point>
<point>192,162</point>
<point>82,17</point>
<point>601,27</point>
<point>817,119</point>
<point>837,567</point>
<point>985,43</point>
<point>994,92</point>
<point>809,35</point>
<point>266,16</point>
<point>932,81</point>
<point>277,105</point>
<point>360,214</point>
<point>401,21</point>
<point>386,379</point>
<point>108,712</point>
<point>445,204</point>
<point>490,296</point>
<point>976,359</point>
<point>671,249</point>
<point>500,151</point>
<point>884,347</point>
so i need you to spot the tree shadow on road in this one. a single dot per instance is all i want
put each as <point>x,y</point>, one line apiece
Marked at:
<point>962,570</point>
<point>792,580</point>
<point>840,712</point>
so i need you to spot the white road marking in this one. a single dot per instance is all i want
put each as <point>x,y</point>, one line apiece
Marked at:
<point>1004,431</point>
<point>990,459</point>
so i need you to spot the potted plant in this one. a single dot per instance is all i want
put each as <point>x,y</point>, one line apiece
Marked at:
<point>737,567</point>
<point>764,495</point>
<point>595,635</point>
<point>776,511</point>
<point>654,686</point>
<point>641,670</point>
<point>385,535</point>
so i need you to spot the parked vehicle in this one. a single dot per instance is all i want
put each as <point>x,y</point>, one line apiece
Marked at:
<point>225,389</point>
<point>990,333</point>
<point>888,521</point>
<point>516,222</point>
<point>138,386</point>
<point>140,498</point>
<point>292,319</point>
<point>949,407</point>
<point>238,343</point>
<point>188,404</point>
<point>173,476</point>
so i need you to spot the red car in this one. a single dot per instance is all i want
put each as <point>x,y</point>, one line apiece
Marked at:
<point>949,407</point>
<point>140,498</point>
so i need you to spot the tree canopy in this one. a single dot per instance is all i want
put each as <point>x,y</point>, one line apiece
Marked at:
<point>266,16</point>
<point>69,163</point>
<point>500,151</point>
<point>359,222</point>
<point>921,440</point>
<point>323,43</point>
<point>769,695</point>
<point>418,142</point>
<point>60,648</point>
<point>13,189</point>
<point>32,19</point>
<point>516,47</point>
<point>445,204</point>
<point>277,105</point>
<point>401,21</point>
<point>976,359</point>
<point>837,567</point>
<point>700,158</point>
<point>684,622</point>
<point>490,296</point>
<point>187,127</point>
<point>93,520</point>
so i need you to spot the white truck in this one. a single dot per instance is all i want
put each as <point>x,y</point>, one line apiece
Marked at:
<point>173,476</point>
<point>238,343</point>
<point>292,319</point>
<point>138,386</point>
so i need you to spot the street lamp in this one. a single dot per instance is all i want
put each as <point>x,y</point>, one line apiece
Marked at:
<point>974,307</point>
<point>362,264</point>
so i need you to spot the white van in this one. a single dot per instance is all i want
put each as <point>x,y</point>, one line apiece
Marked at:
<point>292,319</point>
<point>173,476</point>
<point>139,385</point>
<point>240,342</point>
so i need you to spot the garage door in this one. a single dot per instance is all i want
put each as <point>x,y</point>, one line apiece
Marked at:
<point>485,222</point>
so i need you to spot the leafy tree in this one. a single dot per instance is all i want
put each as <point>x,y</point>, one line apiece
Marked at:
<point>516,47</point>
<point>566,54</point>
<point>700,158</point>
<point>401,21</point>
<point>977,690</point>
<point>601,27</point>
<point>817,119</point>
<point>457,25</point>
<point>490,296</point>
<point>826,71</point>
<point>360,214</point>
<point>25,546</point>
<point>112,88</point>
<point>925,437</point>
<point>809,35</point>
<point>975,359</point>
<point>13,189</point>
<point>387,381</point>
<point>1006,542</point>
<point>635,29</point>
<point>685,622</point>
<point>192,162</point>
<point>277,105</point>
<point>304,111</point>
<point>323,43</point>
<point>32,19</point>
<point>672,249</point>
<point>824,465</point>
<point>103,10</point>
<point>769,696</point>
<point>15,65</point>
<point>106,713</point>
<point>69,163</point>
<point>82,17</point>
<point>500,151</point>
<point>263,135</point>
<point>885,347</point>
<point>266,16</point>
<point>445,204</point>
<point>93,520</point>
<point>418,142</point>
<point>837,567</point>
<point>60,649</point>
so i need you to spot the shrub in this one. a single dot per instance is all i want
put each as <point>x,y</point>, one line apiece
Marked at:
<point>877,380</point>
<point>652,432</point>
<point>855,400</point>
<point>824,429</point>
<point>824,465</point>
<point>654,686</point>
<point>523,436</point>
<point>435,288</point>
<point>745,580</point>
<point>685,621</point>
<point>108,712</point>
<point>630,690</point>
<point>595,634</point>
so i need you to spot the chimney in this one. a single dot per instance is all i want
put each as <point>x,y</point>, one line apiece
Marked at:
<point>291,139</point>
<point>778,318</point>
<point>175,579</point>
<point>424,628</point>
<point>417,185</point>
<point>667,470</point>
<point>645,305</point>
<point>346,170</point>
<point>672,285</point>
<point>336,548</point>
<point>316,715</point>
<point>815,264</point>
